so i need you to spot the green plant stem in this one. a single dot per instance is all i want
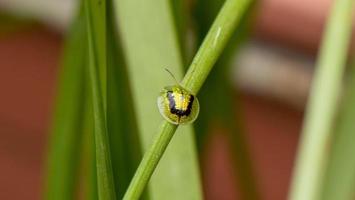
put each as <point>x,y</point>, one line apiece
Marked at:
<point>214,43</point>
<point>322,107</point>
<point>150,160</point>
<point>211,48</point>
<point>217,86</point>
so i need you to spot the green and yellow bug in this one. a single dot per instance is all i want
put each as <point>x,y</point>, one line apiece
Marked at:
<point>178,105</point>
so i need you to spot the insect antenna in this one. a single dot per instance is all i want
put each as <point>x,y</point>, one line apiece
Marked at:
<point>172,75</point>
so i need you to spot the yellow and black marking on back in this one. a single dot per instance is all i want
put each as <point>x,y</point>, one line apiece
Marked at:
<point>178,105</point>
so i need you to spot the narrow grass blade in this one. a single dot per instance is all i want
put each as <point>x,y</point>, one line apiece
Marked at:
<point>65,141</point>
<point>340,176</point>
<point>121,120</point>
<point>95,11</point>
<point>89,172</point>
<point>180,18</point>
<point>150,44</point>
<point>218,85</point>
<point>321,110</point>
<point>210,50</point>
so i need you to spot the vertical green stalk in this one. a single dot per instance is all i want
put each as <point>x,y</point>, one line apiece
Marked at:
<point>179,10</point>
<point>340,177</point>
<point>321,110</point>
<point>90,187</point>
<point>121,120</point>
<point>95,11</point>
<point>65,141</point>
<point>215,41</point>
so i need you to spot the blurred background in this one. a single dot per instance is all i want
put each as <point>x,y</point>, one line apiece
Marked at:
<point>272,74</point>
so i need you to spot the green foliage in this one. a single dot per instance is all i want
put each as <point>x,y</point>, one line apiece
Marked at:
<point>203,62</point>
<point>65,141</point>
<point>121,120</point>
<point>95,11</point>
<point>148,49</point>
<point>340,175</point>
<point>321,110</point>
<point>106,111</point>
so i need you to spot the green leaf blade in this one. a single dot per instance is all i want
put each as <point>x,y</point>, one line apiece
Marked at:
<point>312,157</point>
<point>96,24</point>
<point>65,141</point>
<point>340,175</point>
<point>150,43</point>
<point>121,119</point>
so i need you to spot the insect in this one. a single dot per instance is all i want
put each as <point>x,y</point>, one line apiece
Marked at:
<point>178,105</point>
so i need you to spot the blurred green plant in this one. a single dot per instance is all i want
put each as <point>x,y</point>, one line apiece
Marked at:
<point>106,115</point>
<point>65,141</point>
<point>321,110</point>
<point>340,175</point>
<point>121,120</point>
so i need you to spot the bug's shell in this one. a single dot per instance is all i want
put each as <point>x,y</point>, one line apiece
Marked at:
<point>177,105</point>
